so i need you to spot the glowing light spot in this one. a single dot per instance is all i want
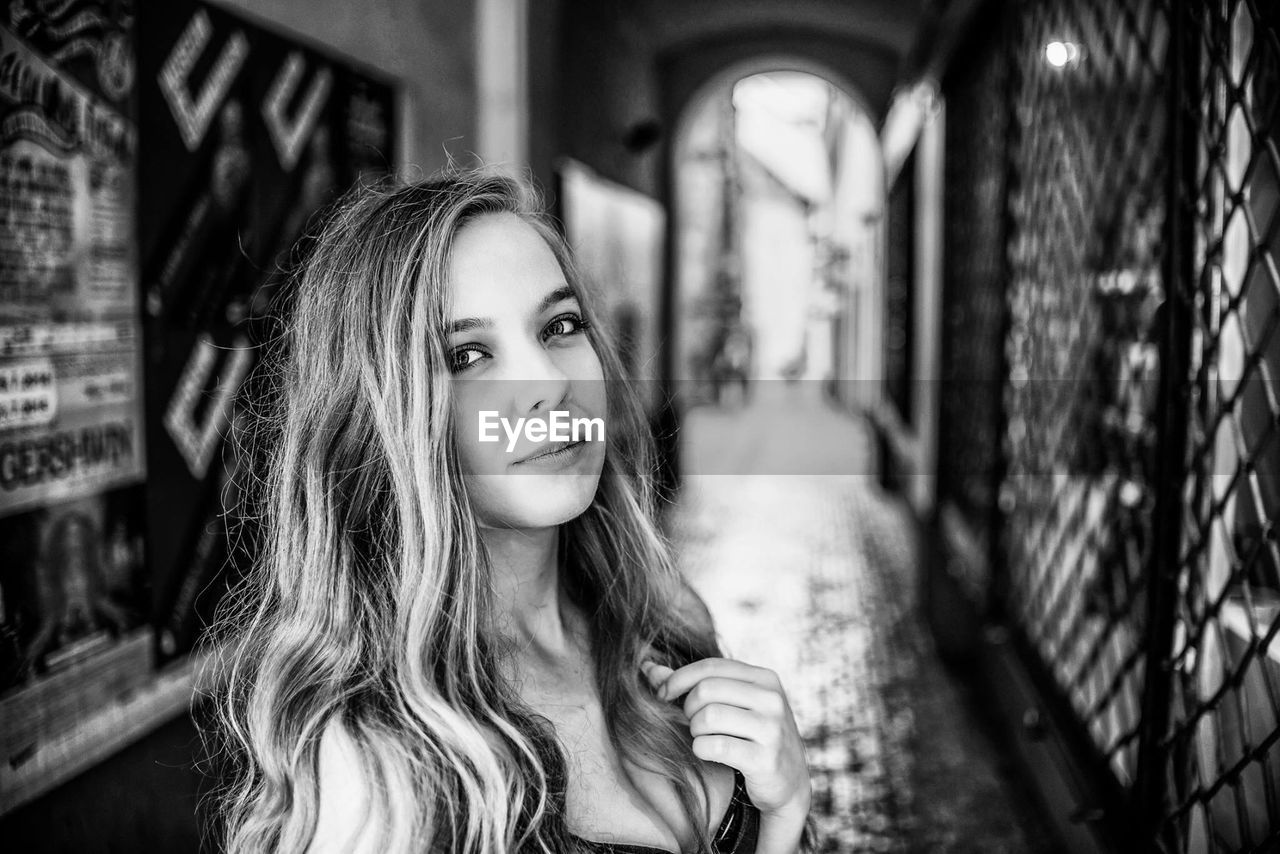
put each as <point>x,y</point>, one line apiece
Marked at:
<point>1060,54</point>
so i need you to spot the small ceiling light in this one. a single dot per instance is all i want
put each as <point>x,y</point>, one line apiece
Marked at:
<point>1060,54</point>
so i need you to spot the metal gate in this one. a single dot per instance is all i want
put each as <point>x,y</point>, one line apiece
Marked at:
<point>1126,155</point>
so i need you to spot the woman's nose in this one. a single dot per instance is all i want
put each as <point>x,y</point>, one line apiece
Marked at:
<point>540,384</point>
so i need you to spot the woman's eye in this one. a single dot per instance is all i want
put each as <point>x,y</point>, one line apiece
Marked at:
<point>565,324</point>
<point>463,358</point>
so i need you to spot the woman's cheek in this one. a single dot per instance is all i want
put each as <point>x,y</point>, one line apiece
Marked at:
<point>475,456</point>
<point>588,380</point>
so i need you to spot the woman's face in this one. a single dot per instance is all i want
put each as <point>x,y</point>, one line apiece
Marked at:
<point>518,349</point>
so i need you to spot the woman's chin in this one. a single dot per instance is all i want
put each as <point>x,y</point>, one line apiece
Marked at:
<point>531,500</point>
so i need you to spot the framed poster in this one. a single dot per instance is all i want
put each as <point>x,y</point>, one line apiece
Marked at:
<point>245,134</point>
<point>70,396</point>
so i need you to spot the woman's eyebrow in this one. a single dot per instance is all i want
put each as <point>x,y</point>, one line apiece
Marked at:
<point>467,324</point>
<point>560,294</point>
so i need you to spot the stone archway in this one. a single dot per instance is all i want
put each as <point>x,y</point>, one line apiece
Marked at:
<point>704,253</point>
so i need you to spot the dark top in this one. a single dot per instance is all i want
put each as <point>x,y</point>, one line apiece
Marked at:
<point>736,835</point>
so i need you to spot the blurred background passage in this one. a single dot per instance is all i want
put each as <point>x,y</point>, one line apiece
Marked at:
<point>958,323</point>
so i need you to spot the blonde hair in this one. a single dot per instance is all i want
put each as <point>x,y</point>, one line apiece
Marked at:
<point>369,602</point>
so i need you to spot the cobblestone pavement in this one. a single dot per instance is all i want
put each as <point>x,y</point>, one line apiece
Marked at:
<point>814,576</point>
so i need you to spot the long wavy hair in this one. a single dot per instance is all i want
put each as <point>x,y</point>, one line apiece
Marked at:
<point>369,600</point>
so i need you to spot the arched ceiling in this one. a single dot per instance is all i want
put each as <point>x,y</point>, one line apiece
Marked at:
<point>610,66</point>
<point>891,24</point>
<point>872,43</point>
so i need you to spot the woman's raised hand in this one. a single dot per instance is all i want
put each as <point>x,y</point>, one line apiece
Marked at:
<point>739,716</point>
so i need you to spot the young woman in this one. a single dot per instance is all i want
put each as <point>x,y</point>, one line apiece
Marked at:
<point>449,644</point>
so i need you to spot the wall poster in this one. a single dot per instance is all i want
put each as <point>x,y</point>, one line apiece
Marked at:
<point>74,600</point>
<point>244,135</point>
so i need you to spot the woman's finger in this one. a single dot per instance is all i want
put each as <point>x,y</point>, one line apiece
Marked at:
<point>719,719</point>
<point>732,692</point>
<point>738,753</point>
<point>691,674</point>
<point>656,673</point>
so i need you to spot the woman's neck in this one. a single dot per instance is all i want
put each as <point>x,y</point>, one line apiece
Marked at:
<point>531,606</point>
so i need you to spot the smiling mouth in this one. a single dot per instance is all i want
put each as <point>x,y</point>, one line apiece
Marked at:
<point>552,453</point>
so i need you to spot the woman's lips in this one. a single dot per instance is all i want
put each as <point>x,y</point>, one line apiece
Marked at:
<point>550,453</point>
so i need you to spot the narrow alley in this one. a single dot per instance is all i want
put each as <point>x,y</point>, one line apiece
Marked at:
<point>815,577</point>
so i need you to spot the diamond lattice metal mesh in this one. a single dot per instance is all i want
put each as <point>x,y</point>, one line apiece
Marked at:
<point>1087,205</point>
<point>1133,550</point>
<point>1222,758</point>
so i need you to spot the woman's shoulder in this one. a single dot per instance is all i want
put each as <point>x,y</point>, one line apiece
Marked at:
<point>339,755</point>
<point>346,795</point>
